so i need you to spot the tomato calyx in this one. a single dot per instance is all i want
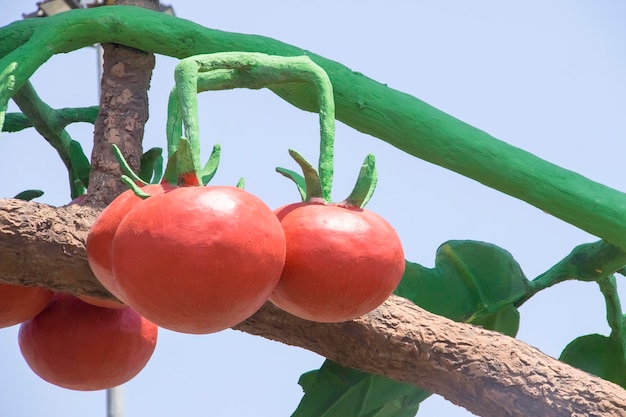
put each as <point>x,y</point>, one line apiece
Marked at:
<point>311,188</point>
<point>180,170</point>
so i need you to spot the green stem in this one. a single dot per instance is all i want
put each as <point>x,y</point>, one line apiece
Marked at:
<point>614,315</point>
<point>46,122</point>
<point>587,262</point>
<point>252,70</point>
<point>371,107</point>
<point>14,122</point>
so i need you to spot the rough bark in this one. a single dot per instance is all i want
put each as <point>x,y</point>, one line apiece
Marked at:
<point>123,114</point>
<point>486,372</point>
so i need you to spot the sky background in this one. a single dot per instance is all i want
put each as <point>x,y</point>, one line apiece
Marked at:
<point>548,77</point>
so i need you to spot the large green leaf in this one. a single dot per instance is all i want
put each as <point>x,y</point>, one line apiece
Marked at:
<point>336,391</point>
<point>599,355</point>
<point>151,165</point>
<point>471,281</point>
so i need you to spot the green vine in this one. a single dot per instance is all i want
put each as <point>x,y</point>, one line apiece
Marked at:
<point>397,118</point>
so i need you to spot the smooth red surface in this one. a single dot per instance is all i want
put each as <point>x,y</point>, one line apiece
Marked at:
<point>78,346</point>
<point>18,304</point>
<point>341,262</point>
<point>100,237</point>
<point>198,259</point>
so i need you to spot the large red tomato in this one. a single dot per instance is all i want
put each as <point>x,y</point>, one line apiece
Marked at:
<point>18,304</point>
<point>198,259</point>
<point>78,346</point>
<point>100,238</point>
<point>341,262</point>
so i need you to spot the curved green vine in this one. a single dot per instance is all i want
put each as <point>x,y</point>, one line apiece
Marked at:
<point>395,117</point>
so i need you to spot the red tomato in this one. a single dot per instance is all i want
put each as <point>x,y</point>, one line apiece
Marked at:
<point>341,262</point>
<point>78,346</point>
<point>18,304</point>
<point>100,237</point>
<point>198,259</point>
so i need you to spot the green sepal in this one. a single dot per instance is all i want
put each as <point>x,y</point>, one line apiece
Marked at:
<point>151,165</point>
<point>185,167</point>
<point>311,177</point>
<point>365,184</point>
<point>179,170</point>
<point>125,168</point>
<point>81,167</point>
<point>208,171</point>
<point>169,175</point>
<point>296,178</point>
<point>133,186</point>
<point>241,184</point>
<point>28,195</point>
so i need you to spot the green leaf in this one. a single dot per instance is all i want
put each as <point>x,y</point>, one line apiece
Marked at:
<point>469,277</point>
<point>151,165</point>
<point>337,391</point>
<point>81,167</point>
<point>599,355</point>
<point>28,195</point>
<point>505,320</point>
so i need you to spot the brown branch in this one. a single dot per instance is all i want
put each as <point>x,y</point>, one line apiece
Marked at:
<point>123,114</point>
<point>486,372</point>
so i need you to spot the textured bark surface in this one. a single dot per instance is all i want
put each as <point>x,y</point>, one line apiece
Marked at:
<point>45,246</point>
<point>122,118</point>
<point>486,372</point>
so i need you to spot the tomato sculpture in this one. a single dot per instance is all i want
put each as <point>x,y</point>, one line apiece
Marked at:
<point>100,240</point>
<point>78,346</point>
<point>198,259</point>
<point>18,304</point>
<point>341,262</point>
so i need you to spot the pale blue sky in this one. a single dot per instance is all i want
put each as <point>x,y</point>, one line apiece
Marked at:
<point>548,77</point>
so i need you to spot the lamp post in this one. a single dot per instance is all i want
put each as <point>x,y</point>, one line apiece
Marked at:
<point>114,396</point>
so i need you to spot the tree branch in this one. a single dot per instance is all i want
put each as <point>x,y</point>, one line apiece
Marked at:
<point>15,122</point>
<point>486,372</point>
<point>122,118</point>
